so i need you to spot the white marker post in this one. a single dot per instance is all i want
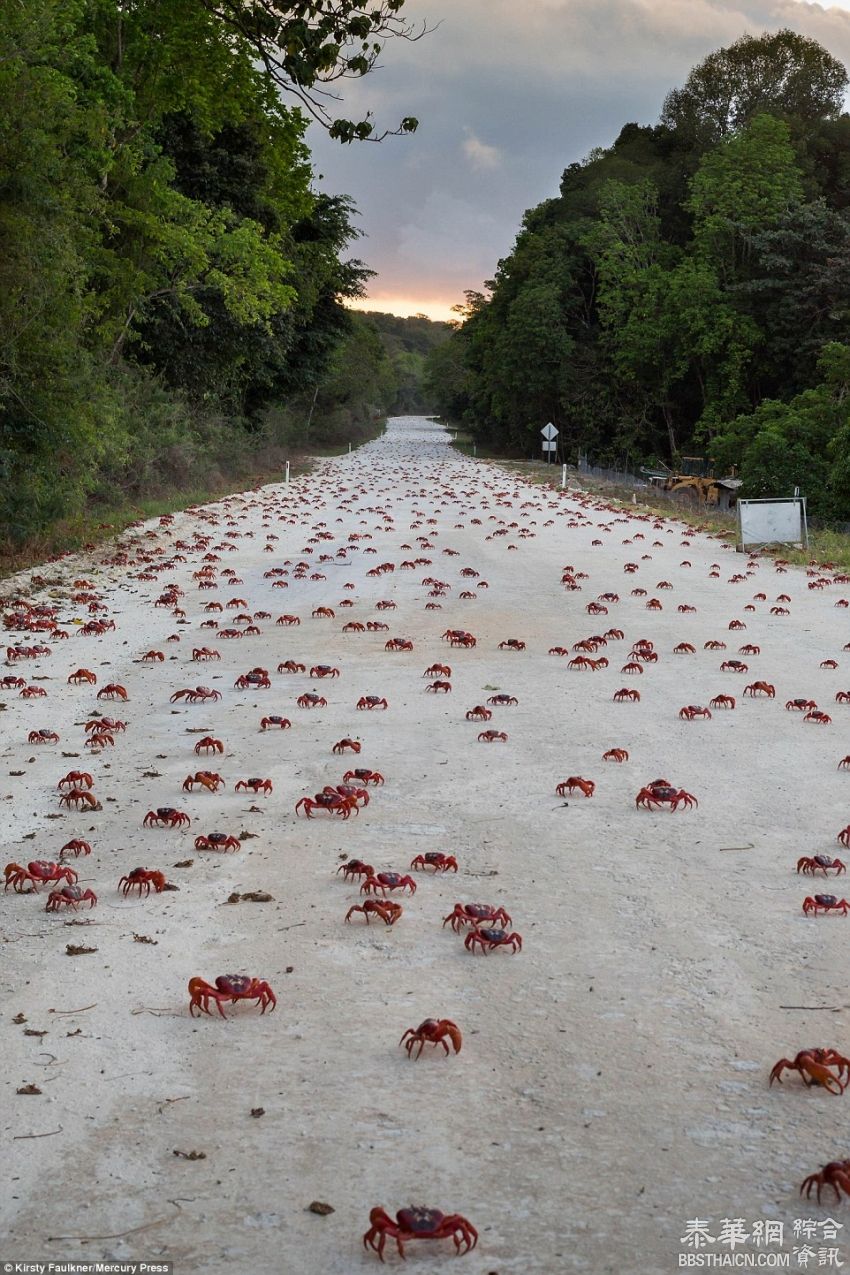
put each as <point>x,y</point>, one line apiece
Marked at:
<point>563,476</point>
<point>286,477</point>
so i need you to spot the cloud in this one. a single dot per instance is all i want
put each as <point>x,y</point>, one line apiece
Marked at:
<point>508,94</point>
<point>479,154</point>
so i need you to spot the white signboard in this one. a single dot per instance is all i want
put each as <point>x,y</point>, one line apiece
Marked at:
<point>549,432</point>
<point>550,447</point>
<point>764,522</point>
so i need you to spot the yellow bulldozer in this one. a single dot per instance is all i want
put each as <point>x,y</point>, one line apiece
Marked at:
<point>694,482</point>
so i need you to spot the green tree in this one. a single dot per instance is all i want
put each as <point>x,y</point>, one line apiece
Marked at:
<point>781,73</point>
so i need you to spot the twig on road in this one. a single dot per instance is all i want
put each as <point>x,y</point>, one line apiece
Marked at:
<point>20,1137</point>
<point>119,1235</point>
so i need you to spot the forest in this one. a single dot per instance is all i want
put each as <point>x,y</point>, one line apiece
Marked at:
<point>687,292</point>
<point>173,288</point>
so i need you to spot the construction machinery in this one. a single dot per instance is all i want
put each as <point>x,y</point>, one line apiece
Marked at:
<point>694,482</point>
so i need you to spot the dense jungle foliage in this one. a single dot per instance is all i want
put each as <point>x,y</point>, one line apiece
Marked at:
<point>688,290</point>
<point>172,287</point>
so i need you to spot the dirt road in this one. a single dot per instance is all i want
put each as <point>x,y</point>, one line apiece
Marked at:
<point>613,1081</point>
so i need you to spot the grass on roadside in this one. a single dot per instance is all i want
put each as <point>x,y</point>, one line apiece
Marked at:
<point>824,545</point>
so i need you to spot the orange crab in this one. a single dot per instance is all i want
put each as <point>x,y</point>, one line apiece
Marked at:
<point>433,1031</point>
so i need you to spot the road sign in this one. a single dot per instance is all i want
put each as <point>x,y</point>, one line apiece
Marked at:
<point>550,447</point>
<point>549,432</point>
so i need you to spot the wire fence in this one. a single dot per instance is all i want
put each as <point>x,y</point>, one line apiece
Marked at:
<point>643,489</point>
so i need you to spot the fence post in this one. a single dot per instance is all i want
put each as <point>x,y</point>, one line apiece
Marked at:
<point>286,476</point>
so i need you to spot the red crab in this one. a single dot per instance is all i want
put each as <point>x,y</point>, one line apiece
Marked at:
<point>76,779</point>
<point>39,871</point>
<point>734,666</point>
<point>820,719</point>
<point>385,909</point>
<point>435,859</point>
<point>42,737</point>
<point>479,714</point>
<point>290,666</point>
<point>198,695</point>
<point>661,793</point>
<point>813,1066</point>
<point>387,882</point>
<point>324,670</point>
<point>112,691</point>
<point>760,688</point>
<point>492,737</point>
<point>440,686</point>
<point>202,653</point>
<point>373,777</point>
<point>835,1174</point>
<point>283,723</point>
<point>100,724</point>
<point>232,988</point>
<point>209,745</point>
<point>398,644</point>
<point>810,865</point>
<point>438,670</point>
<point>372,701</point>
<point>310,700</point>
<point>722,701</point>
<point>256,679</point>
<point>347,746</point>
<point>333,803</point>
<point>825,903</point>
<point>82,675</point>
<point>616,754</point>
<point>487,940</point>
<point>256,786</point>
<point>473,914</point>
<point>418,1224</point>
<point>166,816</point>
<point>143,880</point>
<point>512,644</point>
<point>799,705</point>
<point>217,841</point>
<point>356,868</point>
<point>76,847</point>
<point>433,1031</point>
<point>205,778</point>
<point>692,711</point>
<point>69,896</point>
<point>503,701</point>
<point>626,694</point>
<point>79,798</point>
<point>684,648</point>
<point>586,787</point>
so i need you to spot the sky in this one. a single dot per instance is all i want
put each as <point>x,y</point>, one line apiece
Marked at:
<point>508,93</point>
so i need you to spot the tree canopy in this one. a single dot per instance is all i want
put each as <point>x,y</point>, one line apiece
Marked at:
<point>688,290</point>
<point>168,274</point>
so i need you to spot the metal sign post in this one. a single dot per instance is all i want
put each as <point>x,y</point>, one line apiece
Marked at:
<point>550,433</point>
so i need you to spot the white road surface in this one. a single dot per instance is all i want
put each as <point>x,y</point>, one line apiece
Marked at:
<point>613,1081</point>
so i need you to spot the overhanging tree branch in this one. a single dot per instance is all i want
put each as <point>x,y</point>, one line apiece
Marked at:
<point>308,44</point>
